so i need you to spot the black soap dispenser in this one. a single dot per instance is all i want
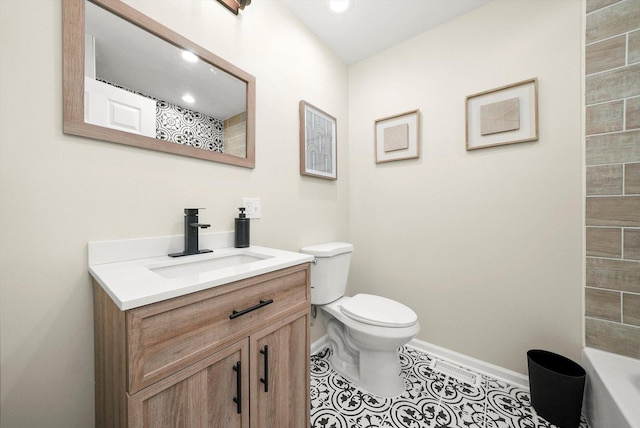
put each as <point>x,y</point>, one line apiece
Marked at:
<point>242,229</point>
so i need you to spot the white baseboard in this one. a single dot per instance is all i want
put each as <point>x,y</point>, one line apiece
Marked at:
<point>319,344</point>
<point>479,366</point>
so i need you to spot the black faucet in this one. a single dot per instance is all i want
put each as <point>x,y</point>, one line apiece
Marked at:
<point>191,227</point>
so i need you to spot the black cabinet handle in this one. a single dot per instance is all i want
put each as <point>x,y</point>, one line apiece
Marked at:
<point>265,379</point>
<point>236,314</point>
<point>238,398</point>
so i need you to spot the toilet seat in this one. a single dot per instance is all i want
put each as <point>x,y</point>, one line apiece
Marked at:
<point>378,311</point>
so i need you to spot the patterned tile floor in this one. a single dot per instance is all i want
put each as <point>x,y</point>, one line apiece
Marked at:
<point>432,399</point>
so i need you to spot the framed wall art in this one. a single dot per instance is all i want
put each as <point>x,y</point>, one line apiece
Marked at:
<point>318,143</point>
<point>505,115</point>
<point>397,137</point>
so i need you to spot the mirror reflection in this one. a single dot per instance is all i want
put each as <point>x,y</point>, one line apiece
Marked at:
<point>142,81</point>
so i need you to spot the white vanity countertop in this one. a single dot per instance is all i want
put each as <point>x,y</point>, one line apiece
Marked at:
<point>133,283</point>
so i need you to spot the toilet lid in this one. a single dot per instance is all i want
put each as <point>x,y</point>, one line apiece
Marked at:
<point>380,311</point>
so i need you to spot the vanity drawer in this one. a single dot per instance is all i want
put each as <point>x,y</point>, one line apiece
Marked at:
<point>167,336</point>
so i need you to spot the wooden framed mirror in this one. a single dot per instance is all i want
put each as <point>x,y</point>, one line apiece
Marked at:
<point>128,79</point>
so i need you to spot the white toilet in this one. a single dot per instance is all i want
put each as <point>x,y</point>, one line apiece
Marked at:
<point>365,331</point>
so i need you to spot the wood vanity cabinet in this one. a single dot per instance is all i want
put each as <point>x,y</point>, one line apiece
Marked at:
<point>232,356</point>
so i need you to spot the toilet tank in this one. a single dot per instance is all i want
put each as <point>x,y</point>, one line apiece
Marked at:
<point>330,270</point>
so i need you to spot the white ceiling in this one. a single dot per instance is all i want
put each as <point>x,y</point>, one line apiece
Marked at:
<point>129,56</point>
<point>371,26</point>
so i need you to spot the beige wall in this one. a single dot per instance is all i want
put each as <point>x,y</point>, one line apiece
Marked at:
<point>58,192</point>
<point>612,98</point>
<point>486,246</point>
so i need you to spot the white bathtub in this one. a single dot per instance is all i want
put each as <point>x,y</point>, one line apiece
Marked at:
<point>612,391</point>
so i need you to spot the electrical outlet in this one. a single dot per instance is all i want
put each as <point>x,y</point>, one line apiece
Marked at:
<point>253,207</point>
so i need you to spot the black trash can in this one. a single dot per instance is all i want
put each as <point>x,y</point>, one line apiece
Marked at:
<point>557,385</point>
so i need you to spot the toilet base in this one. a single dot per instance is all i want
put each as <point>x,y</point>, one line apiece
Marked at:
<point>377,372</point>
<point>365,354</point>
<point>381,374</point>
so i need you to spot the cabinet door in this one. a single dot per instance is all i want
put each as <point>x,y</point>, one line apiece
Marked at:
<point>213,392</point>
<point>280,374</point>
<point>112,107</point>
